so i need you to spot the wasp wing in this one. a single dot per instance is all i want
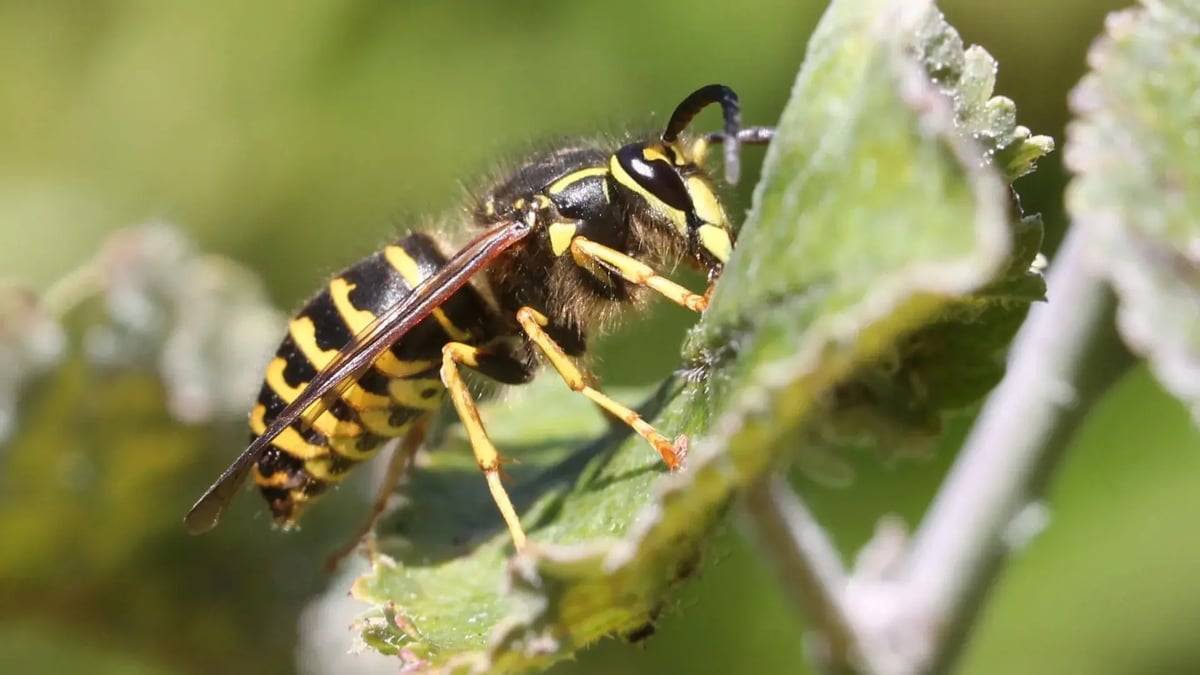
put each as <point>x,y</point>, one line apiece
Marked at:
<point>356,356</point>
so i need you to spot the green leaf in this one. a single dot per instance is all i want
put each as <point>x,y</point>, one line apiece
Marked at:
<point>895,404</point>
<point>1135,147</point>
<point>882,240</point>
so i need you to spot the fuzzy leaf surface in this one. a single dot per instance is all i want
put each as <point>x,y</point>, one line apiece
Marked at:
<point>1135,147</point>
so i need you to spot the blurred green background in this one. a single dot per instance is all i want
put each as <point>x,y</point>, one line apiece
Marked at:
<point>296,136</point>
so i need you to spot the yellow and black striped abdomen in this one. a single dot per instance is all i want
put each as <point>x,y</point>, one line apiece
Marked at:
<point>400,388</point>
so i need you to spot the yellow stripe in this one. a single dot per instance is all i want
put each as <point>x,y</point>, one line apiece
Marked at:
<point>279,479</point>
<point>378,421</point>
<point>574,177</point>
<point>348,448</point>
<point>361,400</point>
<point>393,367</point>
<point>289,440</point>
<point>408,269</point>
<point>320,470</point>
<point>356,319</point>
<point>304,334</point>
<point>326,422</point>
<point>408,393</point>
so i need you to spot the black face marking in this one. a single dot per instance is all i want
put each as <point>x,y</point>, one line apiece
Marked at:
<point>657,176</point>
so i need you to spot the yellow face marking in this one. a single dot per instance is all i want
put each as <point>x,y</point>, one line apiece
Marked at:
<point>408,269</point>
<point>652,153</point>
<point>705,201</point>
<point>519,204</point>
<point>560,236</point>
<point>289,440</point>
<point>574,177</point>
<point>699,151</point>
<point>678,218</point>
<point>682,158</point>
<point>716,241</point>
<point>490,207</point>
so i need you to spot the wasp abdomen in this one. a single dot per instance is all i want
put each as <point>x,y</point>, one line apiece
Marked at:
<point>401,387</point>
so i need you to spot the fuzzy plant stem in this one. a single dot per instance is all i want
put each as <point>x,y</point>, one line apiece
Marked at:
<point>1064,358</point>
<point>808,565</point>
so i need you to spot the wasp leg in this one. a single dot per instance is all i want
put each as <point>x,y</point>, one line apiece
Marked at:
<point>534,324</point>
<point>398,463</point>
<point>638,272</point>
<point>489,460</point>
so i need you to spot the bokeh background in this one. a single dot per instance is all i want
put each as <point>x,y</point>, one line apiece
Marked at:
<point>296,136</point>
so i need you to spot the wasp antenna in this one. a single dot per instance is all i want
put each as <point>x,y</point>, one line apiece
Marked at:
<point>730,108</point>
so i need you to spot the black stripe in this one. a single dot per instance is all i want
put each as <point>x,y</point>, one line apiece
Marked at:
<point>401,415</point>
<point>330,328</point>
<point>298,370</point>
<point>275,404</point>
<point>374,381</point>
<point>275,460</point>
<point>340,464</point>
<point>377,285</point>
<point>369,442</point>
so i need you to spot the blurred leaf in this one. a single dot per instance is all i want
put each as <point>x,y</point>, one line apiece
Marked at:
<point>1136,149</point>
<point>32,649</point>
<point>115,366</point>
<point>876,214</point>
<point>31,342</point>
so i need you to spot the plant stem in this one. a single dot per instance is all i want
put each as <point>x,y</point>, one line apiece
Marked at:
<point>1063,360</point>
<point>808,565</point>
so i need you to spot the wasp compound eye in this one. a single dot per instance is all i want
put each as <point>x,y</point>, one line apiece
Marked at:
<point>655,176</point>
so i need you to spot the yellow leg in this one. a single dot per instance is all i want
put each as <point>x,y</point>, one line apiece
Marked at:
<point>398,463</point>
<point>486,456</point>
<point>534,322</point>
<point>639,273</point>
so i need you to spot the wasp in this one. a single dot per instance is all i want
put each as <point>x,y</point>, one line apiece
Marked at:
<point>562,245</point>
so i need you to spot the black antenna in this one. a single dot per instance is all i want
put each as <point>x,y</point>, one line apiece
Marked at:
<point>699,100</point>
